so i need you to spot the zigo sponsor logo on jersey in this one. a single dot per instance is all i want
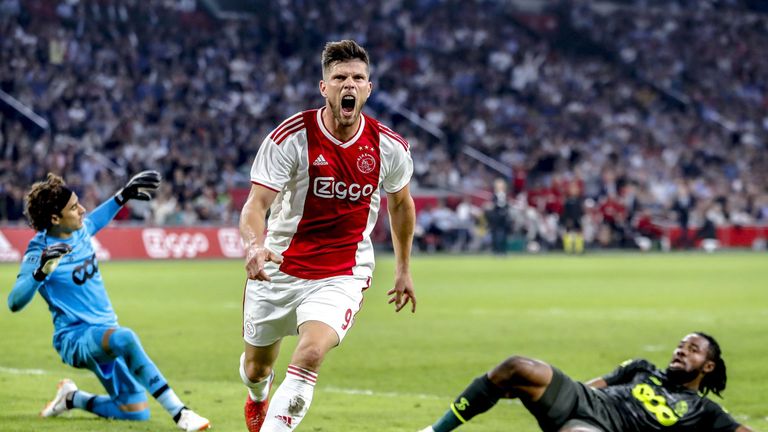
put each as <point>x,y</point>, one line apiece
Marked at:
<point>328,187</point>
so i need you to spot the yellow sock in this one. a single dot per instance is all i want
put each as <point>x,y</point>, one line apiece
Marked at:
<point>579,243</point>
<point>568,242</point>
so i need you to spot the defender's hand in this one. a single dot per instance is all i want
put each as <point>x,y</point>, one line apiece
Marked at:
<point>137,187</point>
<point>49,259</point>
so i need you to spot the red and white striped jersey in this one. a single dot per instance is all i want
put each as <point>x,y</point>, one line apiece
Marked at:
<point>328,193</point>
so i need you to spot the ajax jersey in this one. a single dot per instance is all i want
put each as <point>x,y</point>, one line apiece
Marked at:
<point>328,193</point>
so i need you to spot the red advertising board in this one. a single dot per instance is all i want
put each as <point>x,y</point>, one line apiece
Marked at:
<point>116,243</point>
<point>141,243</point>
<point>732,236</point>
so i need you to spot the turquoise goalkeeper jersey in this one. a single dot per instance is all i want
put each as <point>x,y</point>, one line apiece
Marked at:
<point>75,291</point>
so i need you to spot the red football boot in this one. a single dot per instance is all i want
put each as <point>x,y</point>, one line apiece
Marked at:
<point>255,413</point>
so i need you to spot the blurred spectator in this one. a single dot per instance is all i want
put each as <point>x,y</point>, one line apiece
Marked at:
<point>497,215</point>
<point>682,207</point>
<point>468,218</point>
<point>648,233</point>
<point>443,225</point>
<point>667,94</point>
<point>573,212</point>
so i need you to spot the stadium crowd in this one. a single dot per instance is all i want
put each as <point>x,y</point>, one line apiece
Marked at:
<point>129,85</point>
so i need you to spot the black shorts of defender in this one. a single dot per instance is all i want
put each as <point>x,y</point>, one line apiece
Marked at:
<point>567,403</point>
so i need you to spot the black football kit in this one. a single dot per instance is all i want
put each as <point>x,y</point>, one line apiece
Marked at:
<point>639,398</point>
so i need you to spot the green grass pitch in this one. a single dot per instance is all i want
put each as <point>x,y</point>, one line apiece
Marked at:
<point>398,372</point>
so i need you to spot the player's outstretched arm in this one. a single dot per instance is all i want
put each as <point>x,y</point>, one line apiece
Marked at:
<point>138,187</point>
<point>743,428</point>
<point>402,219</point>
<point>252,231</point>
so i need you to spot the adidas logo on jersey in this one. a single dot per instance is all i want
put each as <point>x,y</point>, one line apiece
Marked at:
<point>320,161</point>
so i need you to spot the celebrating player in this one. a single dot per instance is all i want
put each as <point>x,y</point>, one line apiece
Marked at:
<point>634,397</point>
<point>320,171</point>
<point>61,265</point>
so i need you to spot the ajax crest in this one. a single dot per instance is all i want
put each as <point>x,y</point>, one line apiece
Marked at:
<point>366,163</point>
<point>250,330</point>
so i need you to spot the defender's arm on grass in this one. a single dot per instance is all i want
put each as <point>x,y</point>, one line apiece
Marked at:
<point>252,231</point>
<point>402,219</point>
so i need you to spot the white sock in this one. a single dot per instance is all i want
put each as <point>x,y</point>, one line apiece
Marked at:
<point>258,391</point>
<point>170,401</point>
<point>291,400</point>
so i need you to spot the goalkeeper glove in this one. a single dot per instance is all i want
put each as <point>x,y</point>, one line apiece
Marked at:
<point>49,260</point>
<point>136,188</point>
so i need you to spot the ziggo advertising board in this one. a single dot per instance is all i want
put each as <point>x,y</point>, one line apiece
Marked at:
<point>141,243</point>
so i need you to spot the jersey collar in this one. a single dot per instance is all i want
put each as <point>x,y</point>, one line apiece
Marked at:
<point>335,140</point>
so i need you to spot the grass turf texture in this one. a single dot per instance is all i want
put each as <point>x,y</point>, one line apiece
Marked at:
<point>399,372</point>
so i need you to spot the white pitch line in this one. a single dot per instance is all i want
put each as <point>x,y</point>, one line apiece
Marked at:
<point>381,394</point>
<point>14,371</point>
<point>360,392</point>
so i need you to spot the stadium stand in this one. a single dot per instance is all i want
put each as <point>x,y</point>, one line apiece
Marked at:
<point>656,110</point>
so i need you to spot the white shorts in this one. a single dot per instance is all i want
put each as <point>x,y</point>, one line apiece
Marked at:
<point>273,310</point>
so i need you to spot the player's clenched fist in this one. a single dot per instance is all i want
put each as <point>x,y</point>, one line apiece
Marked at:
<point>255,258</point>
<point>49,259</point>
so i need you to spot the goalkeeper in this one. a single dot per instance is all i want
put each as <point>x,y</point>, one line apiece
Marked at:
<point>61,265</point>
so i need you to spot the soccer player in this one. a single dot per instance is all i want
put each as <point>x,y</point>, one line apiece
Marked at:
<point>320,171</point>
<point>573,212</point>
<point>61,265</point>
<point>635,397</point>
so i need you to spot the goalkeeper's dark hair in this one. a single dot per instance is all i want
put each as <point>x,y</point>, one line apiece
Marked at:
<point>344,50</point>
<point>44,200</point>
<point>714,381</point>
